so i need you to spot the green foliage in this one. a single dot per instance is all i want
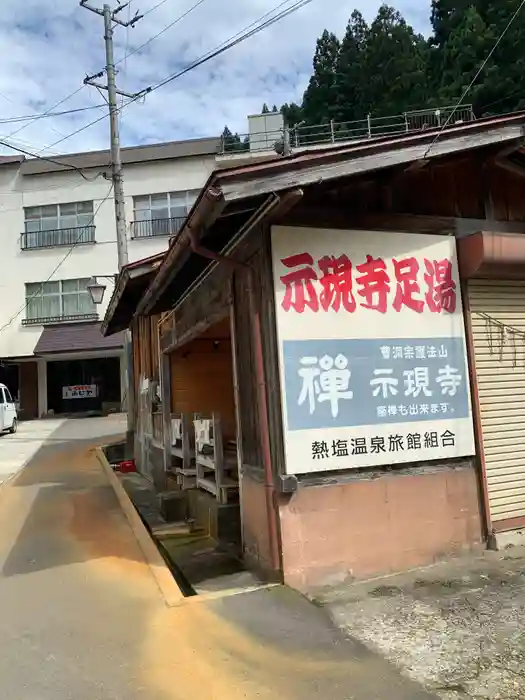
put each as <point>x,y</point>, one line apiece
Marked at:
<point>320,97</point>
<point>385,68</point>
<point>394,63</point>
<point>464,51</point>
<point>233,142</point>
<point>349,98</point>
<point>292,114</point>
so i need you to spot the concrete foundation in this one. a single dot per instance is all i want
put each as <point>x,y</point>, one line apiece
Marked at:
<point>372,527</point>
<point>173,506</point>
<point>222,522</point>
<point>505,540</point>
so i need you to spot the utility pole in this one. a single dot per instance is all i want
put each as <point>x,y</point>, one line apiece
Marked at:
<point>110,18</point>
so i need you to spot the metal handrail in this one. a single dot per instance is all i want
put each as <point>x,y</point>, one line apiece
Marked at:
<point>302,136</point>
<point>157,227</point>
<point>53,238</point>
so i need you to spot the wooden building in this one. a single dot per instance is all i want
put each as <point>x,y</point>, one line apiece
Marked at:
<point>310,358</point>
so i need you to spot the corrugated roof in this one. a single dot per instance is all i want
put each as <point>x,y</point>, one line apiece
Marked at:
<point>302,160</point>
<point>76,337</point>
<point>308,168</point>
<point>133,154</point>
<point>8,160</point>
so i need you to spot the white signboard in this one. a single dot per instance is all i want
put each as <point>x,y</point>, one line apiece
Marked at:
<point>79,391</point>
<point>372,349</point>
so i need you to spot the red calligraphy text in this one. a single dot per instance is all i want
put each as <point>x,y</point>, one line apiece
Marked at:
<point>336,283</point>
<point>408,288</point>
<point>300,292</point>
<point>441,289</point>
<point>375,284</point>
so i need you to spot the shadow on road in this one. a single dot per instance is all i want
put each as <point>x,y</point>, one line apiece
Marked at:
<point>74,515</point>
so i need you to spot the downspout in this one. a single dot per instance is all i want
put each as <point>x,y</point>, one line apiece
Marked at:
<point>269,486</point>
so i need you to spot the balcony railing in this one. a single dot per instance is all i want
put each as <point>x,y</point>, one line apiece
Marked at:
<point>58,237</point>
<point>157,227</point>
<point>47,320</point>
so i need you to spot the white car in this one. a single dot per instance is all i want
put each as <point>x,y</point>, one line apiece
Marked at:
<point>8,412</point>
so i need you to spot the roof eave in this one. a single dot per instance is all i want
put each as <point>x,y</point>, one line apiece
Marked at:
<point>205,211</point>
<point>309,168</point>
<point>314,167</point>
<point>128,275</point>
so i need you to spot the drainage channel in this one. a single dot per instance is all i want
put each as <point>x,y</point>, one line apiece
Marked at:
<point>198,563</point>
<point>180,579</point>
<point>145,506</point>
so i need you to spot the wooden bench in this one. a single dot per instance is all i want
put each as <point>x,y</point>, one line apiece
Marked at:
<point>182,449</point>
<point>216,462</point>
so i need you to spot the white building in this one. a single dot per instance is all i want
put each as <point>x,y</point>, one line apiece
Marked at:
<point>57,232</point>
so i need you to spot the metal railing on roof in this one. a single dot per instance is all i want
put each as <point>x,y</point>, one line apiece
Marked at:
<point>332,132</point>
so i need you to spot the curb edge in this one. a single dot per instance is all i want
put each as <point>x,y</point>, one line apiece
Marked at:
<point>167,585</point>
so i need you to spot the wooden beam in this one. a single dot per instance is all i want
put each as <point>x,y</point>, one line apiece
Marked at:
<point>321,217</point>
<point>165,384</point>
<point>196,330</point>
<point>319,170</point>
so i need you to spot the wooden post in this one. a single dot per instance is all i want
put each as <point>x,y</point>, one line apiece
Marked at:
<point>165,384</point>
<point>218,457</point>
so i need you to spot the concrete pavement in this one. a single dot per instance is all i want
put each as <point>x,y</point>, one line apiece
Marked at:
<point>82,617</point>
<point>16,450</point>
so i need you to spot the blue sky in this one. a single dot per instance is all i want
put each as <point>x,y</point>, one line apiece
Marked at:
<point>48,46</point>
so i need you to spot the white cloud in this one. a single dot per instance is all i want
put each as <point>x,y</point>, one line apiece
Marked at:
<point>48,46</point>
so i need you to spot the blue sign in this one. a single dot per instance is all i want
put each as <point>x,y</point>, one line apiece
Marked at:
<point>346,383</point>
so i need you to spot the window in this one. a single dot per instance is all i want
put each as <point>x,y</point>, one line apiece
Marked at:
<point>65,299</point>
<point>58,224</point>
<point>8,397</point>
<point>161,214</point>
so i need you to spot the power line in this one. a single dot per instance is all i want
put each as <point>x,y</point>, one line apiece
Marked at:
<point>502,99</point>
<point>45,115</point>
<point>41,116</point>
<point>479,72</point>
<point>221,48</point>
<point>69,166</point>
<point>57,267</point>
<point>16,132</point>
<point>87,126</point>
<point>126,47</point>
<point>156,36</point>
<point>235,40</point>
<point>151,9</point>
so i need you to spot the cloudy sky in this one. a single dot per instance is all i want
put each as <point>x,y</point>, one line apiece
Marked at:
<point>48,46</point>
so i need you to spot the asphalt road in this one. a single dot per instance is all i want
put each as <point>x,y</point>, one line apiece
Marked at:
<point>82,618</point>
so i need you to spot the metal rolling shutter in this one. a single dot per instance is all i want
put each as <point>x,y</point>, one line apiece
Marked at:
<point>500,369</point>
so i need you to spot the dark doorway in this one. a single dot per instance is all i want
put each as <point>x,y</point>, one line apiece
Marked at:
<point>102,372</point>
<point>28,390</point>
<point>9,377</point>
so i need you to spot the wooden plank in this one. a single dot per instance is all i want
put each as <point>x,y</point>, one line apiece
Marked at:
<point>218,450</point>
<point>171,530</point>
<point>175,341</point>
<point>165,384</point>
<point>208,485</point>
<point>210,299</point>
<point>310,174</point>
<point>204,461</point>
<point>343,218</point>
